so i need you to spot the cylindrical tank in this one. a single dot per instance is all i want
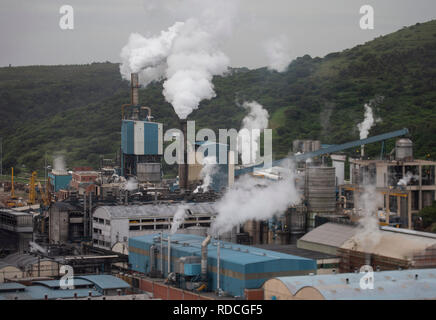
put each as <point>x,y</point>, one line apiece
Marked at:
<point>320,189</point>
<point>404,149</point>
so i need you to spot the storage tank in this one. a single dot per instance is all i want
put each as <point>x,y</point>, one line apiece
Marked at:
<point>404,149</point>
<point>320,190</point>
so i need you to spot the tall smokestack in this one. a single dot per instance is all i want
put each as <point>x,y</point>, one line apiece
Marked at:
<point>134,83</point>
<point>184,168</point>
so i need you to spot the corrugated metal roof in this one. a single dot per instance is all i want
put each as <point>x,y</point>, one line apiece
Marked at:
<point>56,283</point>
<point>331,234</point>
<point>20,260</point>
<point>156,210</point>
<point>388,285</point>
<point>9,286</point>
<point>294,250</point>
<point>39,292</point>
<point>104,281</point>
<point>231,252</point>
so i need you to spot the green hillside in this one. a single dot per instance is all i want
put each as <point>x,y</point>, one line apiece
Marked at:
<point>76,110</point>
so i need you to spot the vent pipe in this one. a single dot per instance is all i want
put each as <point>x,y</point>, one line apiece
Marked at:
<point>169,255</point>
<point>204,245</point>
<point>134,85</point>
<point>183,167</point>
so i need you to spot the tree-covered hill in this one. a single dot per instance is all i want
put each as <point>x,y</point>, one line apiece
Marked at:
<point>76,110</point>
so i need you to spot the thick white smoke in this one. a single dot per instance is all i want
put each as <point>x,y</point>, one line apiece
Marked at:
<point>407,178</point>
<point>369,234</point>
<point>210,167</point>
<point>178,218</point>
<point>254,199</point>
<point>186,55</point>
<point>249,135</point>
<point>59,163</point>
<point>278,53</point>
<point>131,184</point>
<point>367,122</point>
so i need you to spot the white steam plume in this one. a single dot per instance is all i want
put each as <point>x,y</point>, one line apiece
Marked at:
<point>131,184</point>
<point>278,53</point>
<point>59,163</point>
<point>249,135</point>
<point>254,199</point>
<point>406,179</point>
<point>369,234</point>
<point>178,218</point>
<point>367,122</point>
<point>186,55</point>
<point>210,167</point>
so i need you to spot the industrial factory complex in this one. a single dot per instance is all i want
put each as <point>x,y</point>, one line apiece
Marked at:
<point>125,232</point>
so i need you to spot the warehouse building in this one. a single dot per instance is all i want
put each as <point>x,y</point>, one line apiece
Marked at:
<point>417,284</point>
<point>240,267</point>
<point>29,266</point>
<point>380,249</point>
<point>116,224</point>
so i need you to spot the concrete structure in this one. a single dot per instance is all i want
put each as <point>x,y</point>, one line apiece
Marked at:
<point>83,177</point>
<point>65,223</point>
<point>405,187</point>
<point>338,162</point>
<point>387,285</point>
<point>240,267</point>
<point>116,224</point>
<point>16,228</point>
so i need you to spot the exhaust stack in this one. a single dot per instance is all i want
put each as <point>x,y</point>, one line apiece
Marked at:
<point>183,167</point>
<point>204,245</point>
<point>134,85</point>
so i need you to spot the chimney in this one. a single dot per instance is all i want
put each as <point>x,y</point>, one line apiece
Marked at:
<point>184,168</point>
<point>204,245</point>
<point>134,83</point>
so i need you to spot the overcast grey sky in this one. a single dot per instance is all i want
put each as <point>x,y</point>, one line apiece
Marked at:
<point>30,32</point>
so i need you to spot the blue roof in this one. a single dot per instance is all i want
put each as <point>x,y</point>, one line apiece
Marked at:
<point>39,292</point>
<point>388,285</point>
<point>56,283</point>
<point>231,252</point>
<point>104,281</point>
<point>11,286</point>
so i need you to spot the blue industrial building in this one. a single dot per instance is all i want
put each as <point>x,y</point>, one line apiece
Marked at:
<point>59,180</point>
<point>241,267</point>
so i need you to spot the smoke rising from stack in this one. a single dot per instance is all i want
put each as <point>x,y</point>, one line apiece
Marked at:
<point>367,122</point>
<point>59,164</point>
<point>369,234</point>
<point>249,135</point>
<point>278,53</point>
<point>187,55</point>
<point>255,199</point>
<point>210,167</point>
<point>178,218</point>
<point>131,184</point>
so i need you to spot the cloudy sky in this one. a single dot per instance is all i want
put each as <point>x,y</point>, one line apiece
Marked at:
<point>30,32</point>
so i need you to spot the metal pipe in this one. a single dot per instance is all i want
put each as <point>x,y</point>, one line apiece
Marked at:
<point>149,111</point>
<point>161,252</point>
<point>183,167</point>
<point>218,266</point>
<point>204,245</point>
<point>169,254</point>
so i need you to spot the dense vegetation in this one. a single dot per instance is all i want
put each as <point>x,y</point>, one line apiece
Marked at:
<point>76,110</point>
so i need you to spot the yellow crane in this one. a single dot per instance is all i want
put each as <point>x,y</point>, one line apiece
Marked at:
<point>32,189</point>
<point>44,195</point>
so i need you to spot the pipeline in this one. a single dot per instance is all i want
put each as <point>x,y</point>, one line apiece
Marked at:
<point>204,245</point>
